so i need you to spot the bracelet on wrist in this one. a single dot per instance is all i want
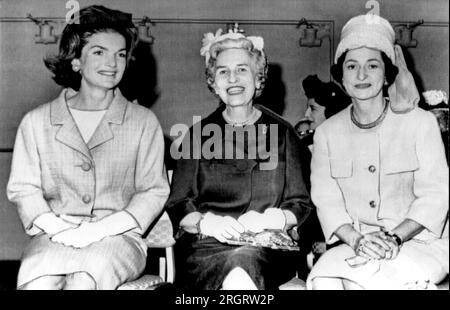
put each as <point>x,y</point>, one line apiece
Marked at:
<point>396,237</point>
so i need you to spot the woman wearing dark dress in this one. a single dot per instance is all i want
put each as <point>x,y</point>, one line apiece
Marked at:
<point>234,184</point>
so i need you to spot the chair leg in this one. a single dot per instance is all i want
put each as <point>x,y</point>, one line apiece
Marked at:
<point>162,268</point>
<point>170,265</point>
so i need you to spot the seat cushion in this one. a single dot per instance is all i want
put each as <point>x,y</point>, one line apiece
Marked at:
<point>146,282</point>
<point>293,284</point>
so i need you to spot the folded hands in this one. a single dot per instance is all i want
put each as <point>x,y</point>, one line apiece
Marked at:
<point>227,227</point>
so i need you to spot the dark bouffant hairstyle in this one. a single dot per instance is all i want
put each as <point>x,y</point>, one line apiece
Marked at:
<point>92,19</point>
<point>390,69</point>
<point>328,95</point>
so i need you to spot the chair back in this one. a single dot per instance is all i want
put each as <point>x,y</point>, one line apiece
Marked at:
<point>161,234</point>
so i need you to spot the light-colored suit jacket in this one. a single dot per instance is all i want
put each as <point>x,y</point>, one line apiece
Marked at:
<point>378,177</point>
<point>120,168</point>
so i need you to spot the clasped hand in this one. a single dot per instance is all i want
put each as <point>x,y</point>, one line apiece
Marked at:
<point>81,236</point>
<point>272,218</point>
<point>226,227</point>
<point>377,245</point>
<point>220,227</point>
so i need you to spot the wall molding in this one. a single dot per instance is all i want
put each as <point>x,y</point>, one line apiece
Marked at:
<point>155,21</point>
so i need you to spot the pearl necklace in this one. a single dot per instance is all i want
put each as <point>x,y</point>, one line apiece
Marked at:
<point>250,120</point>
<point>375,122</point>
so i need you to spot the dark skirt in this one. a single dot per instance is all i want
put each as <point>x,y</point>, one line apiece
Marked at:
<point>202,264</point>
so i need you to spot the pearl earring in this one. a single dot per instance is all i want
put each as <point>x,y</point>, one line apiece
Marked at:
<point>75,68</point>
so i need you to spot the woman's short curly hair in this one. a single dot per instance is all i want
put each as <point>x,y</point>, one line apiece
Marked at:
<point>390,70</point>
<point>92,19</point>
<point>240,43</point>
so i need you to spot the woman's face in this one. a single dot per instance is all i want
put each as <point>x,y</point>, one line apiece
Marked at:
<point>315,113</point>
<point>363,73</point>
<point>103,60</point>
<point>235,79</point>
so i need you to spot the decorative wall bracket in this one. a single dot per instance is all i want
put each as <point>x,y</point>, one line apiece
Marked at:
<point>47,28</point>
<point>46,31</point>
<point>144,31</point>
<point>404,33</point>
<point>234,27</point>
<point>312,33</point>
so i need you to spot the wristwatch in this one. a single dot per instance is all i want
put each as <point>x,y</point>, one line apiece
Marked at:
<point>396,237</point>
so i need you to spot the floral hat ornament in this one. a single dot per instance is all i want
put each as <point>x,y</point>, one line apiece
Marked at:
<point>437,102</point>
<point>435,97</point>
<point>209,39</point>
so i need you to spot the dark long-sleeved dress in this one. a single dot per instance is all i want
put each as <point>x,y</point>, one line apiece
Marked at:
<point>227,185</point>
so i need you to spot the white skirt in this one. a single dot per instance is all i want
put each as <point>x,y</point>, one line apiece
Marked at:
<point>418,265</point>
<point>110,262</point>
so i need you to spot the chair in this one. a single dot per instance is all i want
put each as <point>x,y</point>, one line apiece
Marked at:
<point>160,236</point>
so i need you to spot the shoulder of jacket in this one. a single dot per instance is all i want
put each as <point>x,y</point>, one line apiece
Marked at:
<point>274,116</point>
<point>422,114</point>
<point>41,111</point>
<point>415,117</point>
<point>335,123</point>
<point>141,113</point>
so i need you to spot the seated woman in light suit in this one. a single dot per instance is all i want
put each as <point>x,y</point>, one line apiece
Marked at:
<point>87,173</point>
<point>379,181</point>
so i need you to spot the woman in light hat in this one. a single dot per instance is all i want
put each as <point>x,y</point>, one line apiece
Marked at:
<point>379,181</point>
<point>216,198</point>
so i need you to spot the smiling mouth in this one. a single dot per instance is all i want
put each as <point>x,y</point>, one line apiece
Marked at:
<point>107,73</point>
<point>363,85</point>
<point>235,90</point>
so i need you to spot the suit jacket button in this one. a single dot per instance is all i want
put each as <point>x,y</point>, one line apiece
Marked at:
<point>86,166</point>
<point>372,168</point>
<point>86,199</point>
<point>372,204</point>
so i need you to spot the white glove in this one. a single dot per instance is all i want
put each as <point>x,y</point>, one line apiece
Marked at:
<point>220,227</point>
<point>272,218</point>
<point>52,224</point>
<point>90,232</point>
<point>82,236</point>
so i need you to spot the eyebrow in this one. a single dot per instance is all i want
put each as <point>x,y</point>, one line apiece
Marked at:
<point>371,59</point>
<point>238,65</point>
<point>104,48</point>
